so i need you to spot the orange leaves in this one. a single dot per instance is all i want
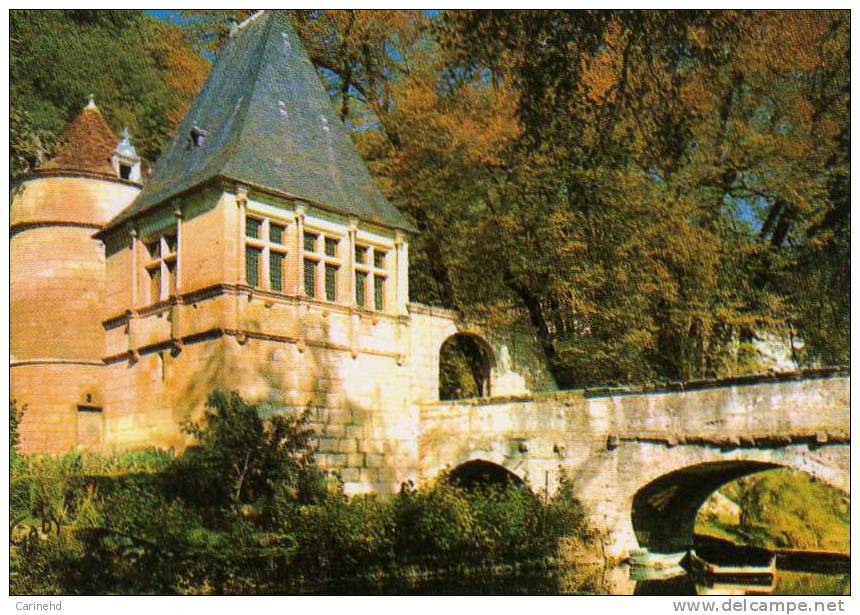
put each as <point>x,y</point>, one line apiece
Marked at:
<point>602,70</point>
<point>473,123</point>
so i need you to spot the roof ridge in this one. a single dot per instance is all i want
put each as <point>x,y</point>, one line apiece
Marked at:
<point>246,100</point>
<point>246,21</point>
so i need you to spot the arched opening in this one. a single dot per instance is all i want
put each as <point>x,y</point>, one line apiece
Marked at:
<point>465,365</point>
<point>664,510</point>
<point>781,508</point>
<point>748,514</point>
<point>745,504</point>
<point>478,473</point>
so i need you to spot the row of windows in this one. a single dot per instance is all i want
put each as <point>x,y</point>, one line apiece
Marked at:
<point>322,261</point>
<point>266,240</point>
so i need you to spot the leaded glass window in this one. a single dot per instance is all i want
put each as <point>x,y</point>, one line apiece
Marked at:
<point>155,285</point>
<point>310,277</point>
<point>379,292</point>
<point>379,259</point>
<point>276,233</point>
<point>361,254</point>
<point>330,246</point>
<point>360,279</point>
<point>310,241</point>
<point>331,282</point>
<point>252,227</point>
<point>276,271</point>
<point>252,265</point>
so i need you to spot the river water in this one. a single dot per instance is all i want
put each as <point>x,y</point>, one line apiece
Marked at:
<point>600,580</point>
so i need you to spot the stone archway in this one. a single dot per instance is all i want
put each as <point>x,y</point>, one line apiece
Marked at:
<point>466,362</point>
<point>664,511</point>
<point>481,472</point>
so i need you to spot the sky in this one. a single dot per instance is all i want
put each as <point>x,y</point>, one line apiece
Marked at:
<point>165,14</point>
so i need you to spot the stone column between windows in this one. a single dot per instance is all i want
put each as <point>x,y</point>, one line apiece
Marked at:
<point>300,251</point>
<point>177,212</point>
<point>264,256</point>
<point>176,329</point>
<point>132,232</point>
<point>163,276</point>
<point>350,260</point>
<point>319,268</point>
<point>132,312</point>
<point>242,203</point>
<point>402,272</point>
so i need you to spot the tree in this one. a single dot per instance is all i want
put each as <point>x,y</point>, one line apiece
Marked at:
<point>14,424</point>
<point>143,73</point>
<point>669,170</point>
<point>240,456</point>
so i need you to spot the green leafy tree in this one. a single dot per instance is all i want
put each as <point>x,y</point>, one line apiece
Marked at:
<point>143,73</point>
<point>241,456</point>
<point>670,173</point>
<point>14,423</point>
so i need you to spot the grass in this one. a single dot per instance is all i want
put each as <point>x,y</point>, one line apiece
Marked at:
<point>784,509</point>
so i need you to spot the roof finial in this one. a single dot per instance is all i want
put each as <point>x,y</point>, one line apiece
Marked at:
<point>92,104</point>
<point>125,148</point>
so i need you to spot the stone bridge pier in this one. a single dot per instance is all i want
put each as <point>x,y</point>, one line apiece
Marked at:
<point>643,461</point>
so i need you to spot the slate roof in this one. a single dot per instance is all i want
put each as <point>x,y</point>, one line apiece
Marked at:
<point>269,124</point>
<point>88,144</point>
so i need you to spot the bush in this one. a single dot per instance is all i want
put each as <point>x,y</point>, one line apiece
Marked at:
<point>247,511</point>
<point>240,457</point>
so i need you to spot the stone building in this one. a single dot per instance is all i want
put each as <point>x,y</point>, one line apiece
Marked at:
<point>259,256</point>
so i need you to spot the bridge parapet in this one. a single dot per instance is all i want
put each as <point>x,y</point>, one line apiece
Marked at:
<point>614,443</point>
<point>537,433</point>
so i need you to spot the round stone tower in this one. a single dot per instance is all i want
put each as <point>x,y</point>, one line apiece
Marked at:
<point>57,282</point>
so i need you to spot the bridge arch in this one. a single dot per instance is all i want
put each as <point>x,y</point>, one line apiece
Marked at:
<point>466,363</point>
<point>663,511</point>
<point>482,472</point>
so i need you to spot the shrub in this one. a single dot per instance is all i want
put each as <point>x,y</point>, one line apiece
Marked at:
<point>240,457</point>
<point>247,511</point>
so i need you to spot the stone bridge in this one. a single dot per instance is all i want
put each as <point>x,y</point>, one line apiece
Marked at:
<point>644,461</point>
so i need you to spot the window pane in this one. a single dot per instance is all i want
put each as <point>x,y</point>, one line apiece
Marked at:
<point>310,242</point>
<point>331,282</point>
<point>155,284</point>
<point>252,227</point>
<point>252,265</point>
<point>154,249</point>
<point>276,233</point>
<point>171,278</point>
<point>359,287</point>
<point>379,292</point>
<point>330,246</point>
<point>310,278</point>
<point>379,259</point>
<point>276,271</point>
<point>170,240</point>
<point>361,254</point>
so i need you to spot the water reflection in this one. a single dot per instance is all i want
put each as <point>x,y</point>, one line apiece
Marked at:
<point>597,579</point>
<point>678,581</point>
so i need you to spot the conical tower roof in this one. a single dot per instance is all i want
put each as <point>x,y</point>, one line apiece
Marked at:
<point>264,119</point>
<point>88,144</point>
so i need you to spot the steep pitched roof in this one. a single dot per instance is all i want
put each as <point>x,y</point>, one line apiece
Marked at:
<point>268,123</point>
<point>88,144</point>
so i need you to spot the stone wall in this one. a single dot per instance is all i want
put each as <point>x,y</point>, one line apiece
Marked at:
<point>57,290</point>
<point>614,444</point>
